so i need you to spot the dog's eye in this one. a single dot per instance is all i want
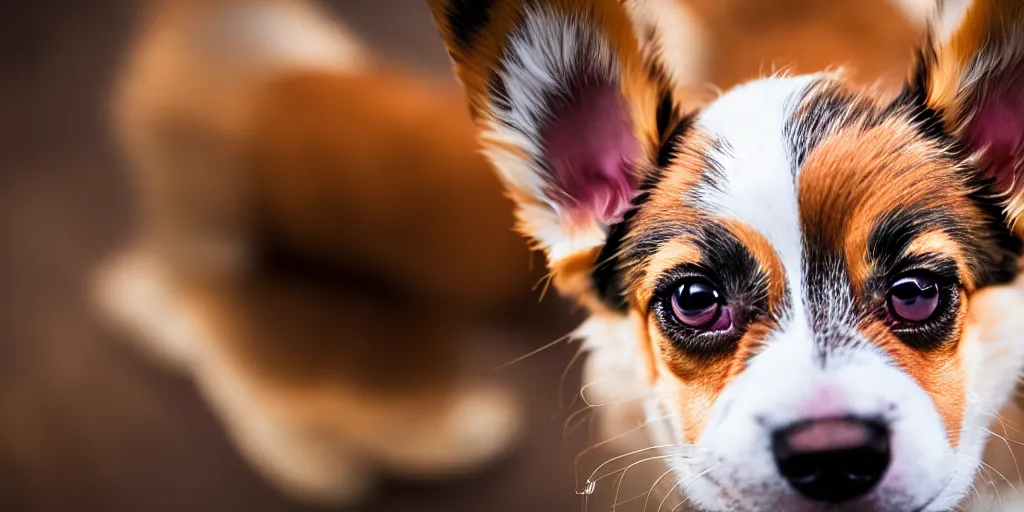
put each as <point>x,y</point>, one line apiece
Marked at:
<point>914,299</point>
<point>698,304</point>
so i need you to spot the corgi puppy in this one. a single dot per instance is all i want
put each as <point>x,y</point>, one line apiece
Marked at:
<point>316,233</point>
<point>816,284</point>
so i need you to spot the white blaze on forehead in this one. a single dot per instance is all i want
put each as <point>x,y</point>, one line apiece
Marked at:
<point>758,184</point>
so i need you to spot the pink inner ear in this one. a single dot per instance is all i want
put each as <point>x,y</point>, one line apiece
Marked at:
<point>998,129</point>
<point>592,149</point>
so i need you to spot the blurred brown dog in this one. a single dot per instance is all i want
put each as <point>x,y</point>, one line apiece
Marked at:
<point>317,231</point>
<point>315,234</point>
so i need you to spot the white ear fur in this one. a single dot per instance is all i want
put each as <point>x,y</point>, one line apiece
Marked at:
<point>948,18</point>
<point>917,12</point>
<point>680,42</point>
<point>546,52</point>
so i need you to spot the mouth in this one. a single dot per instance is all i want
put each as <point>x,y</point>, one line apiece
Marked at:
<point>719,496</point>
<point>733,503</point>
<point>931,501</point>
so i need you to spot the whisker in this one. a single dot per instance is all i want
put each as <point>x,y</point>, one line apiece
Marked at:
<point>996,471</point>
<point>644,493</point>
<point>977,493</point>
<point>635,452</point>
<point>567,429</point>
<point>651,490</point>
<point>548,276</point>
<point>625,470</point>
<point>533,352</point>
<point>1006,441</point>
<point>1009,449</point>
<point>992,484</point>
<point>618,436</point>
<point>584,452</point>
<point>581,395</point>
<point>1005,426</point>
<point>565,375</point>
<point>592,480</point>
<point>680,484</point>
<point>630,466</point>
<point>547,285</point>
<point>590,407</point>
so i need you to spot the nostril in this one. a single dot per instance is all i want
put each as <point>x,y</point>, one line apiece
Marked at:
<point>832,460</point>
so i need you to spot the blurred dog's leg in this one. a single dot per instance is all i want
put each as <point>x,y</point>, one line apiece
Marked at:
<point>133,288</point>
<point>323,388</point>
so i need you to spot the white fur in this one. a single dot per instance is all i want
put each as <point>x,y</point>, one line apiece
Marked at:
<point>682,42</point>
<point>948,18</point>
<point>760,185</point>
<point>135,291</point>
<point>994,357</point>
<point>775,391</point>
<point>786,383</point>
<point>543,54</point>
<point>274,34</point>
<point>916,11</point>
<point>357,434</point>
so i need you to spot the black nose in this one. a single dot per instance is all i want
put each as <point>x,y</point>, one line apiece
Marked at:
<point>832,460</point>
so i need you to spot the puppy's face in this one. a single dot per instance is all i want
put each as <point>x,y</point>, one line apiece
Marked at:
<point>816,281</point>
<point>816,288</point>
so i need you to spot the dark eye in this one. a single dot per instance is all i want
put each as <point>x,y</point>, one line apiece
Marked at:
<point>914,299</point>
<point>698,304</point>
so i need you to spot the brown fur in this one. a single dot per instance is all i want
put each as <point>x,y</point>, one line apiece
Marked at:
<point>688,164</point>
<point>474,63</point>
<point>438,228</point>
<point>869,164</point>
<point>881,169</point>
<point>748,39</point>
<point>878,170</point>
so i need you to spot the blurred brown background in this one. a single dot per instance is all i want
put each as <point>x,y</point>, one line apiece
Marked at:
<point>86,421</point>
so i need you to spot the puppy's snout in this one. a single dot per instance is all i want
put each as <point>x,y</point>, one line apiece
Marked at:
<point>832,460</point>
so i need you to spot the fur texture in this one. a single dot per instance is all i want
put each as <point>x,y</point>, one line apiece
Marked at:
<point>802,202</point>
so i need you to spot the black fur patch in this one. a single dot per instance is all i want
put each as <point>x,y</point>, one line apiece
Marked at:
<point>997,256</point>
<point>730,266</point>
<point>912,102</point>
<point>889,240</point>
<point>467,18</point>
<point>665,113</point>
<point>1005,249</point>
<point>497,90</point>
<point>606,276</point>
<point>671,140</point>
<point>828,299</point>
<point>713,174</point>
<point>824,110</point>
<point>887,245</point>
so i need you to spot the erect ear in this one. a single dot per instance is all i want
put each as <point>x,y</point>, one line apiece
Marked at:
<point>972,75</point>
<point>570,112</point>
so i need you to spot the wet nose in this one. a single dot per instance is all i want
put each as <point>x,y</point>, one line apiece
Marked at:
<point>832,460</point>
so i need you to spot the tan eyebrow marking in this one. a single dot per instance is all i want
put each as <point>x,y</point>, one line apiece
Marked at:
<point>675,252</point>
<point>767,259</point>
